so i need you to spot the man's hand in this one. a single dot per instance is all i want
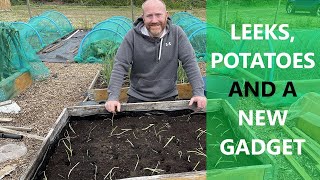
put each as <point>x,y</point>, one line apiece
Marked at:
<point>200,100</point>
<point>112,106</point>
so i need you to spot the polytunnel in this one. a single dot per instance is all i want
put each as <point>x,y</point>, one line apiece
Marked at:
<point>61,20</point>
<point>98,44</point>
<point>103,40</point>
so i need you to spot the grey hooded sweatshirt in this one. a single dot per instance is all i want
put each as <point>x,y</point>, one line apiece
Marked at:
<point>154,64</point>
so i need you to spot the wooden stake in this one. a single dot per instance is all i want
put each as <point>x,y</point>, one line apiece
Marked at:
<point>132,11</point>
<point>7,170</point>
<point>21,133</point>
<point>27,129</point>
<point>276,15</point>
<point>29,9</point>
<point>6,120</point>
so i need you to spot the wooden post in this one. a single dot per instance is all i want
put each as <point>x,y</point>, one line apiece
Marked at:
<point>132,15</point>
<point>221,13</point>
<point>275,17</point>
<point>29,9</point>
<point>226,15</point>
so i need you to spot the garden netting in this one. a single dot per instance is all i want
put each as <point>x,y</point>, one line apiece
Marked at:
<point>44,29</point>
<point>103,40</point>
<point>197,33</point>
<point>14,58</point>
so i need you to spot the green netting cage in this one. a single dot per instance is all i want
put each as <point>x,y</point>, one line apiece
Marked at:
<point>128,21</point>
<point>193,27</point>
<point>180,15</point>
<point>60,20</point>
<point>117,25</point>
<point>47,29</point>
<point>14,60</point>
<point>30,34</point>
<point>97,44</point>
<point>185,22</point>
<point>103,40</point>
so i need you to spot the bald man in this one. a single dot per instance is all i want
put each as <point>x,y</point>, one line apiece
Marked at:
<point>153,49</point>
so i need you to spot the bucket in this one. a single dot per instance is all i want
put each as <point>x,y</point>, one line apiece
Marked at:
<point>218,87</point>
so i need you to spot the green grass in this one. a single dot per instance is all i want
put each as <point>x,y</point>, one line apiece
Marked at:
<point>82,17</point>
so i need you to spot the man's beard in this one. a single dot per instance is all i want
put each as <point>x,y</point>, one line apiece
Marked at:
<point>155,29</point>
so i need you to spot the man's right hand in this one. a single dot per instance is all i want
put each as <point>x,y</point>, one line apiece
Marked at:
<point>112,106</point>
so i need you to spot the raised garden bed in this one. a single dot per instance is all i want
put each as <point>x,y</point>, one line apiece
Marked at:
<point>165,137</point>
<point>97,91</point>
<point>15,84</point>
<point>301,87</point>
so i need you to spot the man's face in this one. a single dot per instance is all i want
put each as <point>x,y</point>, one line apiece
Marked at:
<point>155,17</point>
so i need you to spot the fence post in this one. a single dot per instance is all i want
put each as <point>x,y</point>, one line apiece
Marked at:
<point>132,15</point>
<point>29,10</point>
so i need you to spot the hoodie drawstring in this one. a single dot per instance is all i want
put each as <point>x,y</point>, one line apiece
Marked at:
<point>160,49</point>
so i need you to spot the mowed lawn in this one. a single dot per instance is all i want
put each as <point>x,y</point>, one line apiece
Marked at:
<point>83,17</point>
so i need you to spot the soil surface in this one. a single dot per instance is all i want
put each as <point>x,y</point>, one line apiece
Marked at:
<point>138,144</point>
<point>42,103</point>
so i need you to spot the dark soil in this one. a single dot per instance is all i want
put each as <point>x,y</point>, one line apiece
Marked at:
<point>98,147</point>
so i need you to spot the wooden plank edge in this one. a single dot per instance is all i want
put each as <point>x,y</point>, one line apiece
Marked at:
<point>94,79</point>
<point>92,85</point>
<point>203,174</point>
<point>7,170</point>
<point>3,120</point>
<point>146,106</point>
<point>302,134</point>
<point>36,162</point>
<point>305,147</point>
<point>249,134</point>
<point>318,167</point>
<point>27,129</point>
<point>186,175</point>
<point>302,172</point>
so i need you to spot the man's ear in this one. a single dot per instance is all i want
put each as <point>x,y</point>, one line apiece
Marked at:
<point>168,14</point>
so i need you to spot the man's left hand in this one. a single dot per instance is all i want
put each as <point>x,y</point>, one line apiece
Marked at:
<point>200,100</point>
